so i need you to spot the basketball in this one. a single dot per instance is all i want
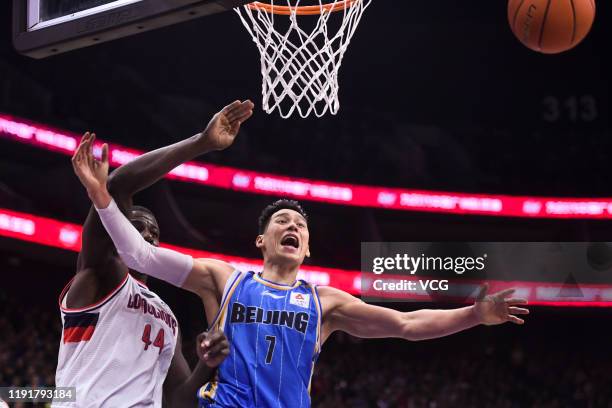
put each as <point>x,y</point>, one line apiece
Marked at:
<point>551,26</point>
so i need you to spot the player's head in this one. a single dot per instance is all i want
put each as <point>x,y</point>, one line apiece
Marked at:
<point>143,219</point>
<point>283,232</point>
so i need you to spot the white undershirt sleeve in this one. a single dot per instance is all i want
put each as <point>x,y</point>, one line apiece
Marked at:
<point>162,263</point>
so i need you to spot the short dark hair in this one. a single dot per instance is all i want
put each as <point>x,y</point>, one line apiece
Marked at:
<point>283,204</point>
<point>142,209</point>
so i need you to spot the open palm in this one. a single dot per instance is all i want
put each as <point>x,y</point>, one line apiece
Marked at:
<point>92,173</point>
<point>224,126</point>
<point>499,307</point>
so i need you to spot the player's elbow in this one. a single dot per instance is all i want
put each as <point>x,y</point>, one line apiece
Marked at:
<point>113,183</point>
<point>411,328</point>
<point>118,185</point>
<point>416,333</point>
<point>412,335</point>
<point>415,337</point>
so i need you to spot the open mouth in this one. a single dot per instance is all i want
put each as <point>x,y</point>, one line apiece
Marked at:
<point>290,241</point>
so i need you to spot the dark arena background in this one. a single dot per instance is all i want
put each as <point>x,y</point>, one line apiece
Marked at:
<point>439,101</point>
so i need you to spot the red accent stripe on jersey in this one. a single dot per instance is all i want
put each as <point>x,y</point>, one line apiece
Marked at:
<point>93,306</point>
<point>79,326</point>
<point>78,334</point>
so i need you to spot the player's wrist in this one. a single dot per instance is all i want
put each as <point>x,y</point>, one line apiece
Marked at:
<point>100,197</point>
<point>204,143</point>
<point>475,315</point>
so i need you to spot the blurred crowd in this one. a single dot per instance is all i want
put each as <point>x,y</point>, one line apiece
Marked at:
<point>399,375</point>
<point>29,342</point>
<point>466,370</point>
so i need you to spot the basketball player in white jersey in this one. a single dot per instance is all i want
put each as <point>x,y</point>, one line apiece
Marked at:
<point>284,242</point>
<point>120,342</point>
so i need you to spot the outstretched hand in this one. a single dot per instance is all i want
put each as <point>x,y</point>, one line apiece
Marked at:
<point>224,126</point>
<point>499,307</point>
<point>92,173</point>
<point>212,348</point>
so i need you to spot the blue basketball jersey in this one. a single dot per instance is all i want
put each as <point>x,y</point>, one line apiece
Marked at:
<point>274,335</point>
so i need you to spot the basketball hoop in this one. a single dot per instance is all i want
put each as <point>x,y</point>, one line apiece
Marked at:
<point>299,64</point>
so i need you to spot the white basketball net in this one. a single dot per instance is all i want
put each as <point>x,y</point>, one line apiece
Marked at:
<point>300,66</point>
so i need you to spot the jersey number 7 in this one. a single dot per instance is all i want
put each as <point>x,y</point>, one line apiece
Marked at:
<point>270,354</point>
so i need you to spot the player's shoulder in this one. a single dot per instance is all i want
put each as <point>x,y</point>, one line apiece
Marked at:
<point>208,275</point>
<point>332,297</point>
<point>214,266</point>
<point>331,291</point>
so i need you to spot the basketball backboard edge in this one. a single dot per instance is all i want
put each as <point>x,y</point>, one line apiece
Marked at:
<point>84,29</point>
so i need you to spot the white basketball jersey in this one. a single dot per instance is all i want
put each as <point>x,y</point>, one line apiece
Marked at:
<point>118,351</point>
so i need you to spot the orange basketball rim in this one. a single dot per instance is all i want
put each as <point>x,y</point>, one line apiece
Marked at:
<point>302,10</point>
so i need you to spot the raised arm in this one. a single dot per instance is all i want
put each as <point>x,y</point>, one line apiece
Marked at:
<point>349,314</point>
<point>162,263</point>
<point>101,270</point>
<point>152,166</point>
<point>98,269</point>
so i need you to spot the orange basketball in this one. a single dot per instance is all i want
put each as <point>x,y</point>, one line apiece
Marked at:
<point>551,26</point>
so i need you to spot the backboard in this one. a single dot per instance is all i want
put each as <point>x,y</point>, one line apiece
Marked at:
<point>42,28</point>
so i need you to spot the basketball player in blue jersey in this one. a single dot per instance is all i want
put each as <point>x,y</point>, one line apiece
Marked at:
<point>275,323</point>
